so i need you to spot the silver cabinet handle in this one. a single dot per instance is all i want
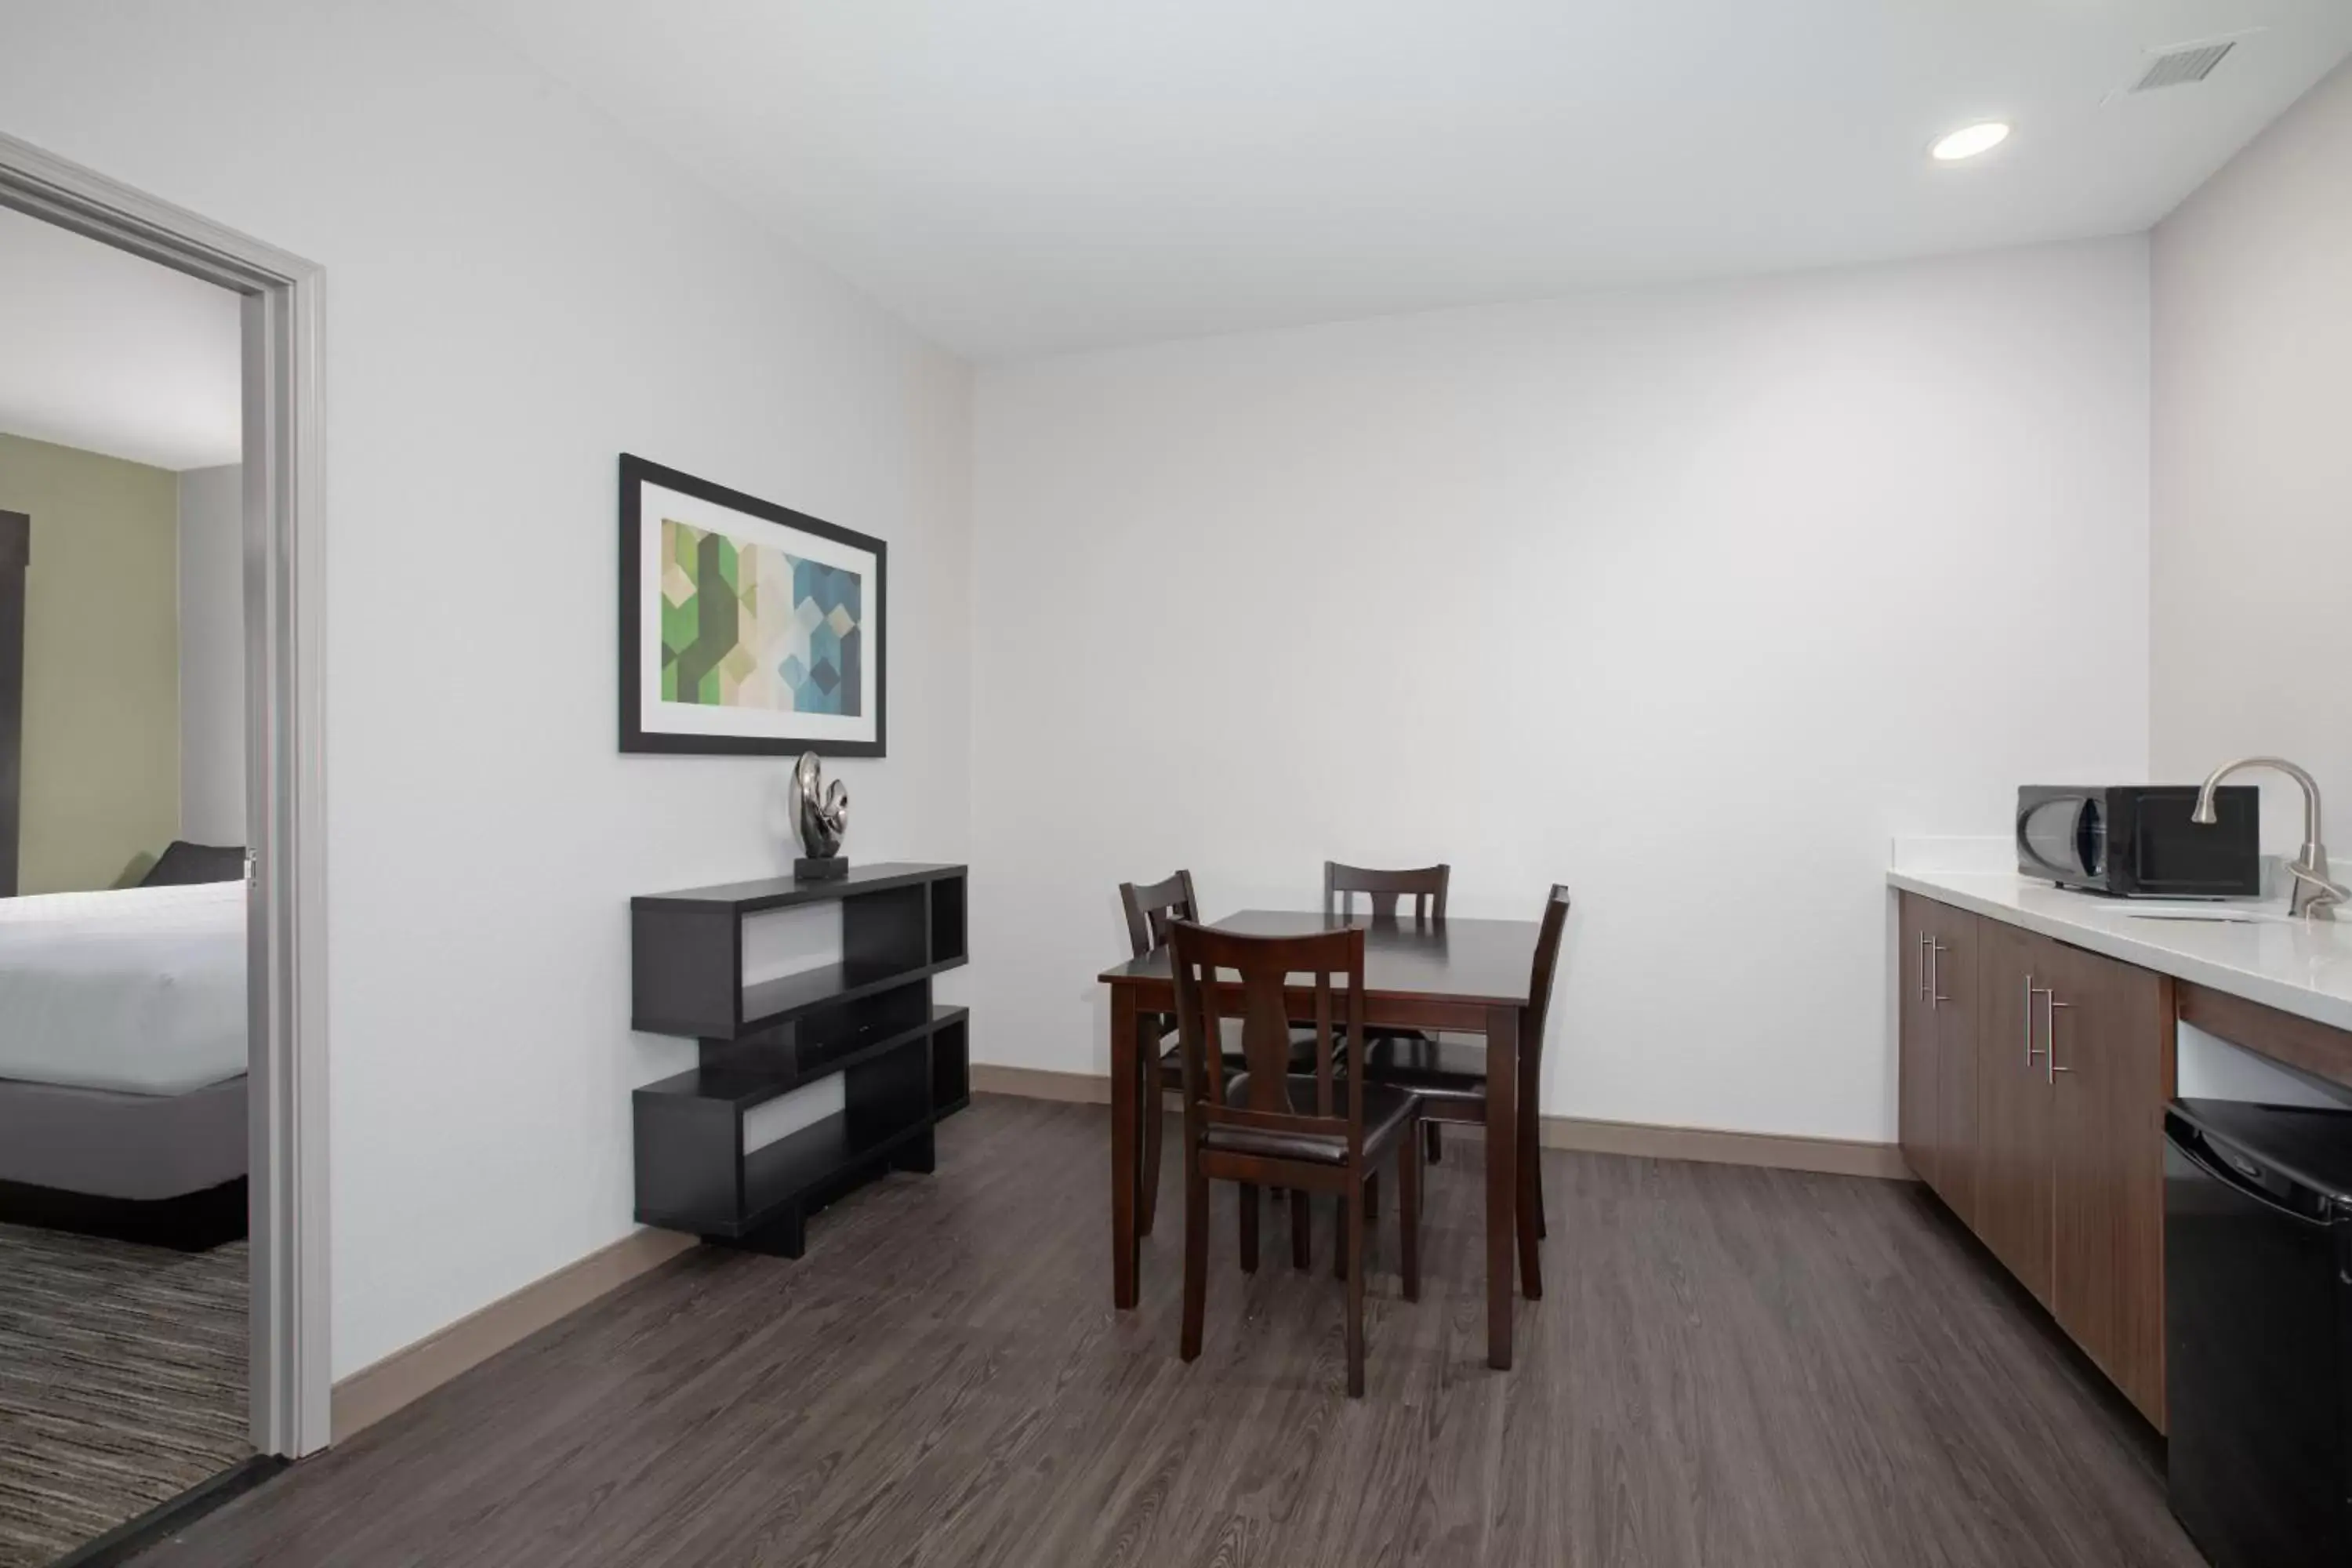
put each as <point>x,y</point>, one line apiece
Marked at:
<point>2032,991</point>
<point>1936,998</point>
<point>1923,966</point>
<point>2050,1055</point>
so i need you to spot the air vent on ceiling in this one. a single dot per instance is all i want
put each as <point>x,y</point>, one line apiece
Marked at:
<point>2178,67</point>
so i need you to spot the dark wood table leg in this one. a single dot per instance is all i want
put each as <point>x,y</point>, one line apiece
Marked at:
<point>1502,1178</point>
<point>1151,1114</point>
<point>1125,1025</point>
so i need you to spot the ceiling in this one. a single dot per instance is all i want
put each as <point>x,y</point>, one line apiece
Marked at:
<point>1019,177</point>
<point>112,354</point>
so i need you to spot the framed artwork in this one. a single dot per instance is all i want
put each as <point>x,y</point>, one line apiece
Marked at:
<point>746,627</point>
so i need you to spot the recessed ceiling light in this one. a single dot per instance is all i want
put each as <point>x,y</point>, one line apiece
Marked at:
<point>1969,141</point>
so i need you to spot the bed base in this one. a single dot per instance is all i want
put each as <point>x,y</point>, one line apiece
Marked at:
<point>192,1222</point>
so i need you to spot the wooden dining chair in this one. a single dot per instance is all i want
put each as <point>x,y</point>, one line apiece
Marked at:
<point>1382,891</point>
<point>1151,908</point>
<point>1324,1131</point>
<point>1450,1078</point>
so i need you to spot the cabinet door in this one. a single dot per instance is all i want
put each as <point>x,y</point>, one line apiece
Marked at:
<point>1952,1005</point>
<point>2013,1172</point>
<point>2110,1063</point>
<point>1916,1055</point>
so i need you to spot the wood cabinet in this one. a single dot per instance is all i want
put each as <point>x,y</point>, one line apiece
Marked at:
<point>2016,1207</point>
<point>1953,939</point>
<point>1936,1066</point>
<point>2035,1109</point>
<point>2107,1029</point>
<point>1917,1080</point>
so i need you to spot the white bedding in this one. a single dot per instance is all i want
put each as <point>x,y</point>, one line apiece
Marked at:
<point>138,989</point>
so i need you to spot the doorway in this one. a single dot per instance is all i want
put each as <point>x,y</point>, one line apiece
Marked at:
<point>273,529</point>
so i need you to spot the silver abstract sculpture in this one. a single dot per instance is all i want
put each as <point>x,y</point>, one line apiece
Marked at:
<point>820,815</point>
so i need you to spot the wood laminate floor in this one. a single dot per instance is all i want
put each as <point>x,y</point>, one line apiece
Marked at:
<point>1732,1366</point>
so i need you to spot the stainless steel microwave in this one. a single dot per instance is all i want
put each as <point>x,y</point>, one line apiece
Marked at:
<point>2136,841</point>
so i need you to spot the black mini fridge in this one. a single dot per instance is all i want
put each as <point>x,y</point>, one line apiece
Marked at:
<point>2258,1330</point>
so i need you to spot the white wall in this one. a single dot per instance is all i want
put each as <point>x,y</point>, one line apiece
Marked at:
<point>110,352</point>
<point>2252,493</point>
<point>212,655</point>
<point>515,294</point>
<point>1692,598</point>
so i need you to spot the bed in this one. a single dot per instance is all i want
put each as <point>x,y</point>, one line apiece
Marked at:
<point>122,1061</point>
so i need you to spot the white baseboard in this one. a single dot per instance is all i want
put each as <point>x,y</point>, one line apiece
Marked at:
<point>1772,1150</point>
<point>375,1391</point>
<point>1037,1083</point>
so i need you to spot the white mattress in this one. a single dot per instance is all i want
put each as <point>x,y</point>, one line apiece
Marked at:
<point>140,990</point>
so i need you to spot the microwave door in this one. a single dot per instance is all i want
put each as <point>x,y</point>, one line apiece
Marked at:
<point>2063,836</point>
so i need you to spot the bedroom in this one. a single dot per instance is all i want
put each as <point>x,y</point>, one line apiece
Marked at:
<point>123,1000</point>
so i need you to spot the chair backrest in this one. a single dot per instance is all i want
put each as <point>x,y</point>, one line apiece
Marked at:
<point>1382,889</point>
<point>1264,967</point>
<point>1547,940</point>
<point>1152,908</point>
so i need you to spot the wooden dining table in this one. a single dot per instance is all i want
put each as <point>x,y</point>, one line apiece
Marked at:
<point>1454,976</point>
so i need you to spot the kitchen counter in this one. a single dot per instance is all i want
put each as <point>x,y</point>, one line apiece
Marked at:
<point>2301,967</point>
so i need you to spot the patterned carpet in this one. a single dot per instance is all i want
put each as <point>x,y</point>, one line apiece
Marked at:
<point>122,1382</point>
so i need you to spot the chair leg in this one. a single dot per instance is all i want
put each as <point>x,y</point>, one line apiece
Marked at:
<point>1436,1145</point>
<point>1528,1203</point>
<point>1339,1241</point>
<point>1372,1198</point>
<point>1196,1260</point>
<point>1302,1230</point>
<point>1409,1215</point>
<point>1531,1157</point>
<point>1352,1229</point>
<point>1154,1104</point>
<point>1529,1206</point>
<point>1249,1226</point>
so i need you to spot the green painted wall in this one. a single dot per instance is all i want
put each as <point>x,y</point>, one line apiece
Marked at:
<point>102,782</point>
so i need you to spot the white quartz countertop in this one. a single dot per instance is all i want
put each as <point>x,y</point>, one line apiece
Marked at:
<point>2302,967</point>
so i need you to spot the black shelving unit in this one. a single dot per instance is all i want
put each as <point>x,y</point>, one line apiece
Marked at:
<point>904,1062</point>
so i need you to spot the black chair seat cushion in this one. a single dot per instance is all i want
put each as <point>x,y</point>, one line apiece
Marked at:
<point>1453,1069</point>
<point>1388,1111</point>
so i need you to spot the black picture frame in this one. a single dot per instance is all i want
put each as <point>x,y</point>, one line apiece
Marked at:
<point>635,474</point>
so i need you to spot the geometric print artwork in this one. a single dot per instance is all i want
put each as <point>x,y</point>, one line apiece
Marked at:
<point>747,628</point>
<point>747,625</point>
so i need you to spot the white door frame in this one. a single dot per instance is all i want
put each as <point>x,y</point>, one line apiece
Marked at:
<point>285,758</point>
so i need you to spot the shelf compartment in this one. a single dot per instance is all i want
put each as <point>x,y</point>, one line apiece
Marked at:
<point>814,1042</point>
<point>747,1081</point>
<point>831,1038</point>
<point>790,1170</point>
<point>770,1003</point>
<point>686,949</point>
<point>950,1060</point>
<point>948,921</point>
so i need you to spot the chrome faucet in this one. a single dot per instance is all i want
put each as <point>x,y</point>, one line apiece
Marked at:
<point>2316,896</point>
